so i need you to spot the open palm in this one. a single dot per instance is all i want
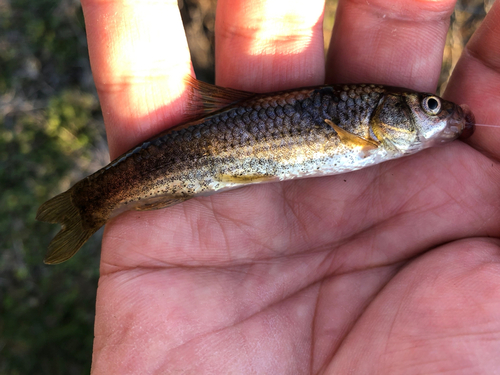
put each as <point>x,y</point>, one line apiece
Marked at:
<point>392,269</point>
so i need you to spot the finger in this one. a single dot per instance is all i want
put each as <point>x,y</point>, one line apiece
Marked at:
<point>389,42</point>
<point>476,81</point>
<point>139,56</point>
<point>422,317</point>
<point>266,45</point>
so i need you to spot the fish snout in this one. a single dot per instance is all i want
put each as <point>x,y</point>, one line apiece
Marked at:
<point>460,124</point>
<point>470,122</point>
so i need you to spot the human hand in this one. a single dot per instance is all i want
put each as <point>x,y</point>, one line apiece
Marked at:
<point>392,269</point>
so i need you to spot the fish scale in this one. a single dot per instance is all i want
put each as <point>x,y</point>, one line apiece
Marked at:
<point>240,138</point>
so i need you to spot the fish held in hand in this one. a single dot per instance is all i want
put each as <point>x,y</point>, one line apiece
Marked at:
<point>239,138</point>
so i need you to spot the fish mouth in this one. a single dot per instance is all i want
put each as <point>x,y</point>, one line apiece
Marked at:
<point>470,122</point>
<point>460,124</point>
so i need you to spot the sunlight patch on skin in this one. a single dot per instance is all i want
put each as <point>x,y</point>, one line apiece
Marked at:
<point>265,44</point>
<point>269,22</point>
<point>134,58</point>
<point>132,52</point>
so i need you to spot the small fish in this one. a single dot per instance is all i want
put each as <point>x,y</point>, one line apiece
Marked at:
<point>241,138</point>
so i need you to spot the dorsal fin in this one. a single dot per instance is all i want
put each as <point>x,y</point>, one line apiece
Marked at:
<point>206,98</point>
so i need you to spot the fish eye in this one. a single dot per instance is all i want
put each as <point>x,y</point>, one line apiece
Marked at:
<point>431,105</point>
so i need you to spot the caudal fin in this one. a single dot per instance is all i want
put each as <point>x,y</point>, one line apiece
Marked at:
<point>72,236</point>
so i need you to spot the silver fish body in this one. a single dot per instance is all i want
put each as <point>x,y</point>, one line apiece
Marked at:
<point>306,132</point>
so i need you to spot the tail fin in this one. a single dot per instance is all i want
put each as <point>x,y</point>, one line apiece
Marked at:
<point>72,236</point>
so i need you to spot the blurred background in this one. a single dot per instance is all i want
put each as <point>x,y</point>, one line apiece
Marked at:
<point>51,135</point>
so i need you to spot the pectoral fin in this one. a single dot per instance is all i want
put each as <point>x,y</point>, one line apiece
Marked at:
<point>353,140</point>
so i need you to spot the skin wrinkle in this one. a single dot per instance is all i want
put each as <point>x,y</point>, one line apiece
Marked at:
<point>412,366</point>
<point>220,265</point>
<point>433,184</point>
<point>367,303</point>
<point>454,198</point>
<point>288,209</point>
<point>313,328</point>
<point>488,220</point>
<point>242,227</point>
<point>289,221</point>
<point>368,241</point>
<point>371,248</point>
<point>446,335</point>
<point>261,244</point>
<point>408,205</point>
<point>367,232</point>
<point>467,207</point>
<point>255,313</point>
<point>246,349</point>
<point>419,189</point>
<point>345,210</point>
<point>240,322</point>
<point>392,324</point>
<point>217,270</point>
<point>197,224</point>
<point>339,204</point>
<point>289,189</point>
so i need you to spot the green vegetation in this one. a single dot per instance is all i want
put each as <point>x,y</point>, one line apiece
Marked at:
<point>51,135</point>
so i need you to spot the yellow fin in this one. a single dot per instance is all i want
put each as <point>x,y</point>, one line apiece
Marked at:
<point>352,139</point>
<point>245,179</point>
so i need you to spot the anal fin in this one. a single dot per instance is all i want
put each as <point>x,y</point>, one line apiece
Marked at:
<point>158,203</point>
<point>245,179</point>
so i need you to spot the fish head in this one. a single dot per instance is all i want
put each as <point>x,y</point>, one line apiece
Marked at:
<point>410,121</point>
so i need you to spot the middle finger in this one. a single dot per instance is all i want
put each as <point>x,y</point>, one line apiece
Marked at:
<point>269,45</point>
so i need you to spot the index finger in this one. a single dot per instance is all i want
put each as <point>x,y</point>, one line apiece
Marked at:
<point>139,57</point>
